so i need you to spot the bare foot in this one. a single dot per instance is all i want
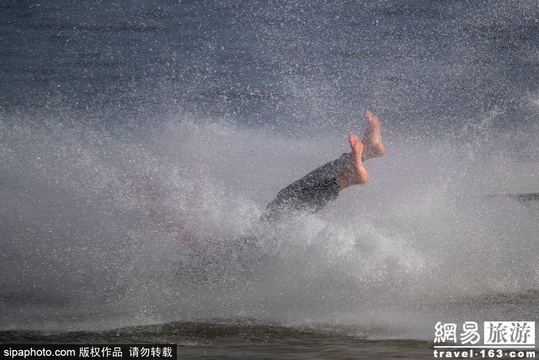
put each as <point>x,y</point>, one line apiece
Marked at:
<point>372,139</point>
<point>355,173</point>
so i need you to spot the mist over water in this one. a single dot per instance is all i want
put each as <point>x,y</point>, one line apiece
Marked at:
<point>135,163</point>
<point>160,224</point>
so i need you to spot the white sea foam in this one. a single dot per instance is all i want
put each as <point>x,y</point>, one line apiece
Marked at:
<point>145,225</point>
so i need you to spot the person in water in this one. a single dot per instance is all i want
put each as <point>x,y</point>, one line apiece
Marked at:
<point>312,192</point>
<point>309,194</point>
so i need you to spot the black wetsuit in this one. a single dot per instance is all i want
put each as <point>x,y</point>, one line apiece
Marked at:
<point>309,194</point>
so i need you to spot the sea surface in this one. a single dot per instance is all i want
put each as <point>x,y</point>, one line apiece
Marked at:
<point>141,140</point>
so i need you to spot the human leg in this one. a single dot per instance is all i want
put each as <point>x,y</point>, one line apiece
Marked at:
<point>309,194</point>
<point>314,191</point>
<point>372,138</point>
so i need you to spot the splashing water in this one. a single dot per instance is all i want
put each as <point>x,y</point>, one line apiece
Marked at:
<point>145,224</point>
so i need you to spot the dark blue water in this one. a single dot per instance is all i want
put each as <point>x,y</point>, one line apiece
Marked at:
<point>141,140</point>
<point>437,64</point>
